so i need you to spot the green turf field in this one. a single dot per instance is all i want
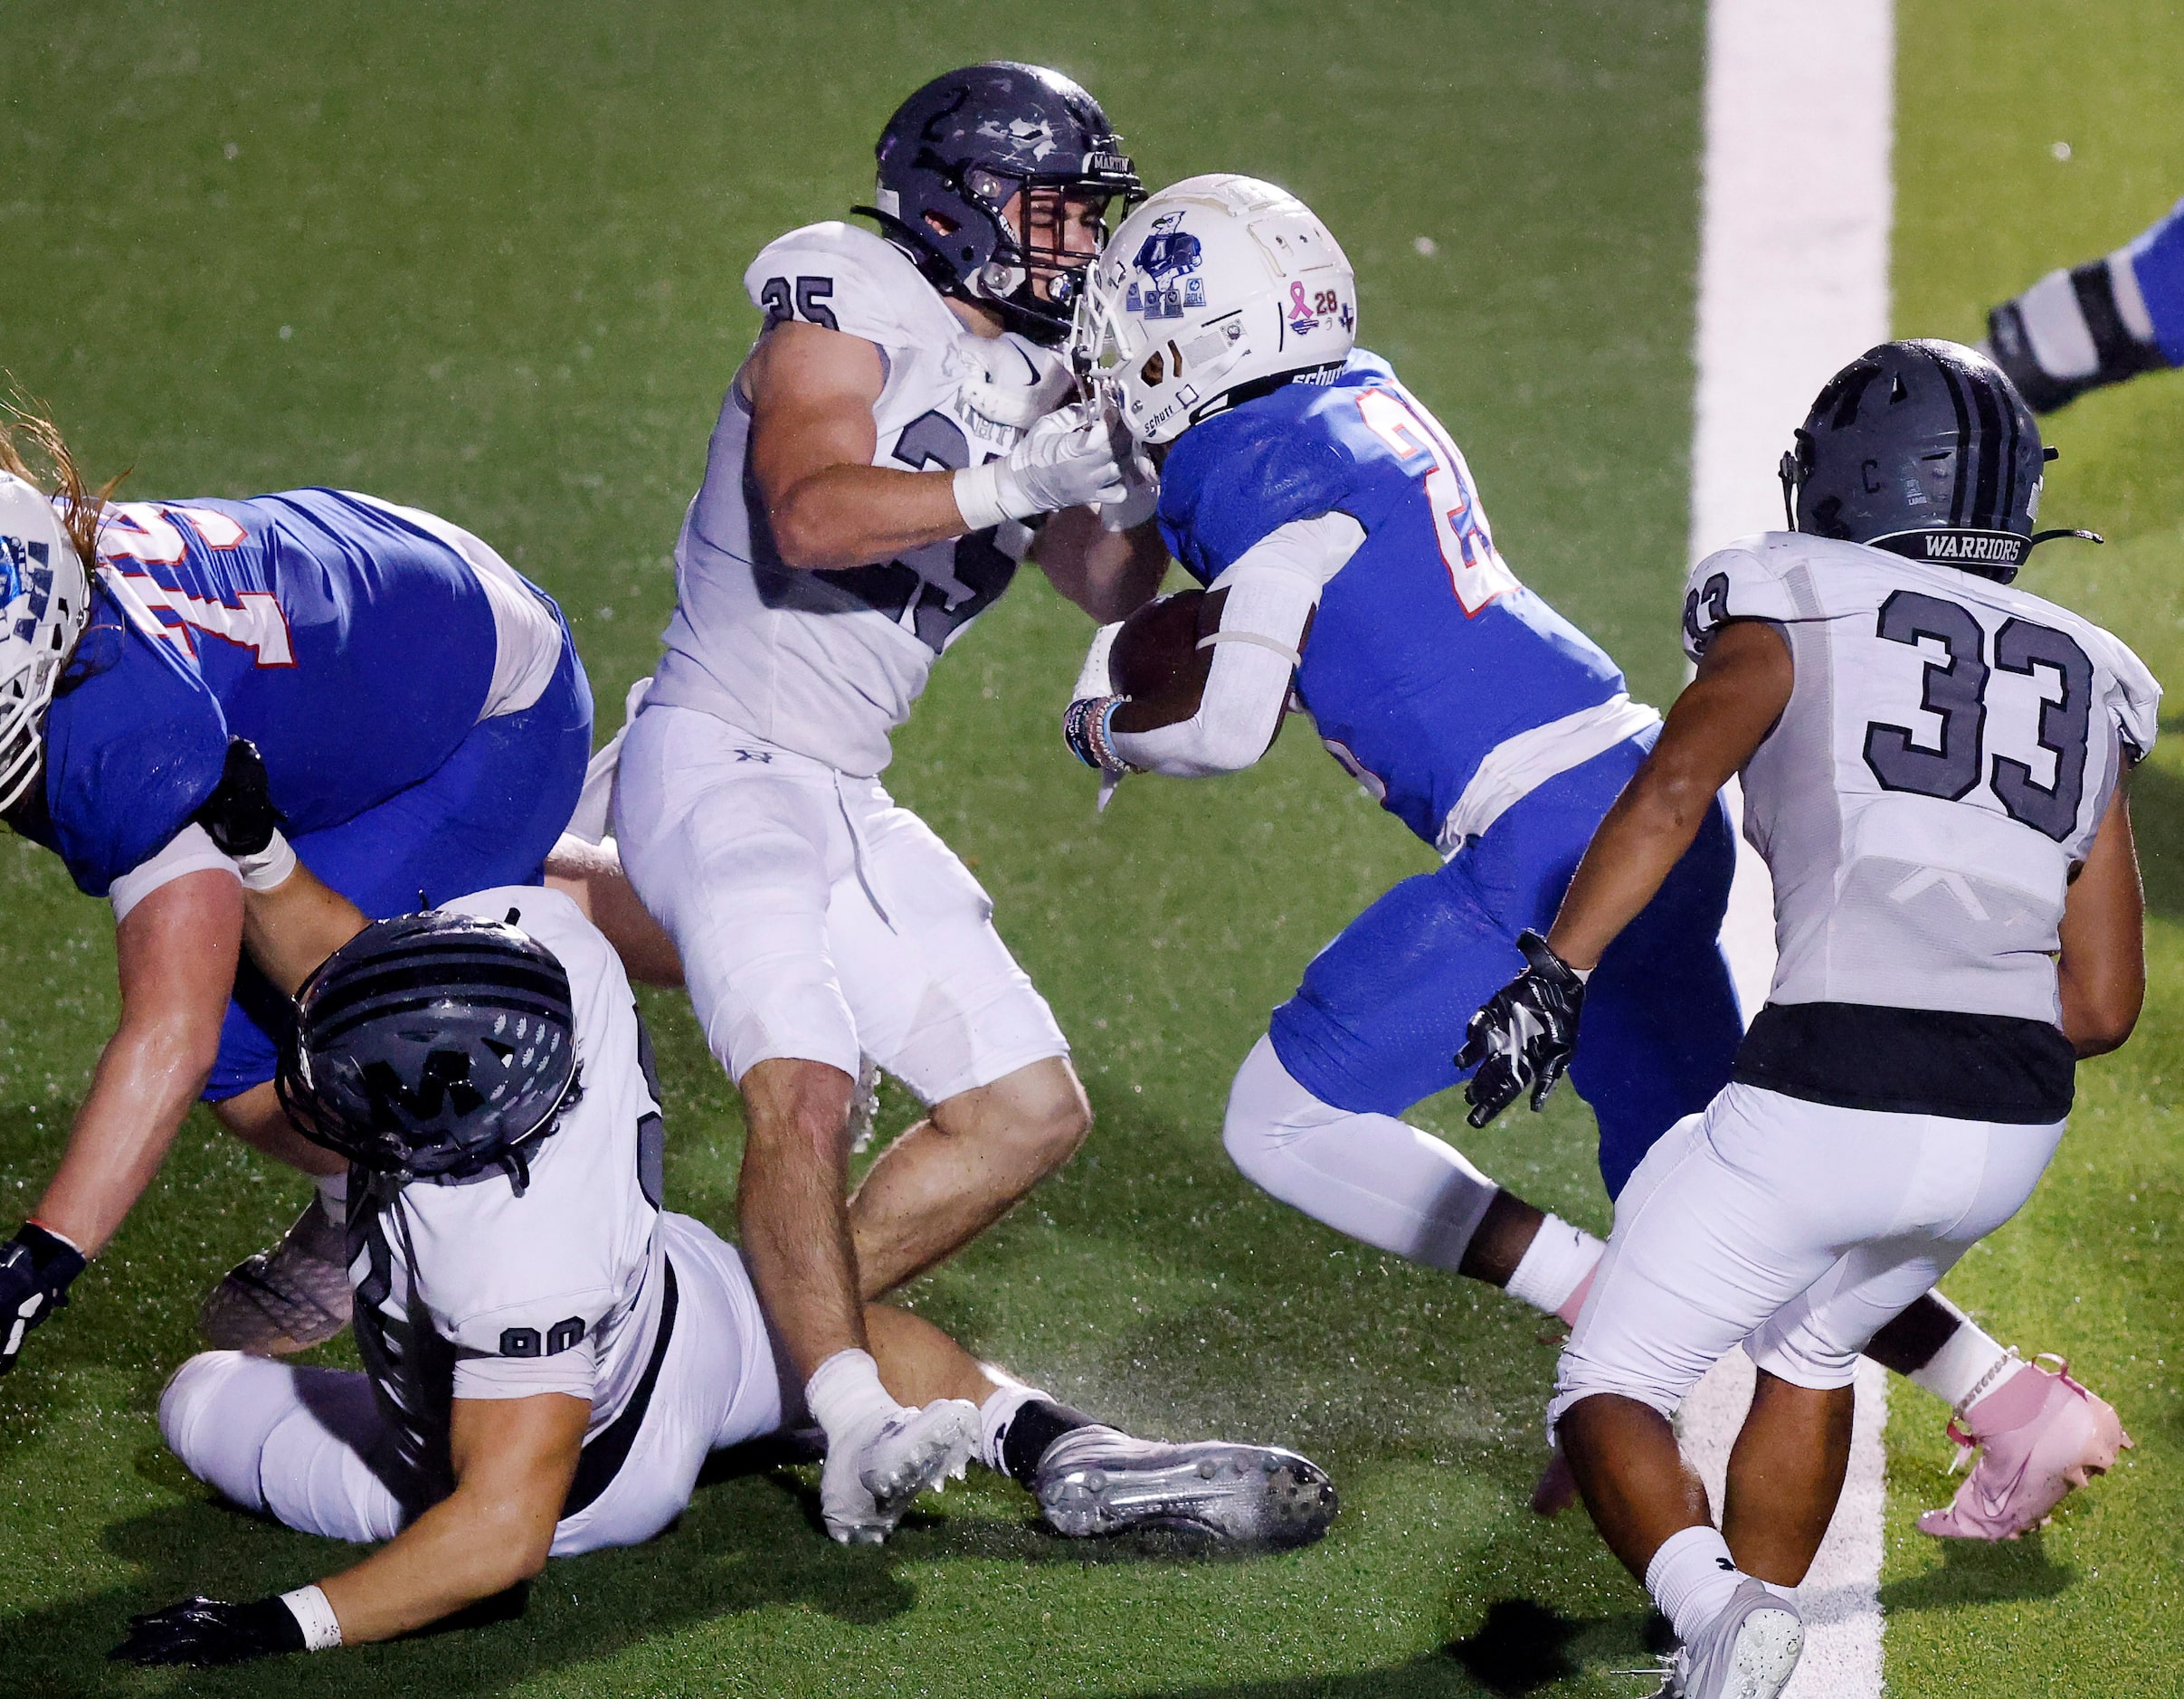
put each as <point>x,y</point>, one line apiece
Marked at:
<point>486,259</point>
<point>2094,1268</point>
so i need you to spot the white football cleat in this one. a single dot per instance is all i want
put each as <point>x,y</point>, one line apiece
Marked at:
<point>1748,1652</point>
<point>869,1480</point>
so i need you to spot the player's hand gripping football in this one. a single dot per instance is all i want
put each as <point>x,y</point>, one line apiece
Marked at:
<point>36,1267</point>
<point>1525,1034</point>
<point>201,1631</point>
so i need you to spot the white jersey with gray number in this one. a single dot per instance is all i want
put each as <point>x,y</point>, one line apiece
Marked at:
<point>470,1289</point>
<point>828,663</point>
<point>1949,751</point>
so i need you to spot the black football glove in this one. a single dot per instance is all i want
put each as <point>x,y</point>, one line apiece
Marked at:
<point>239,816</point>
<point>35,1269</point>
<point>1525,1034</point>
<point>201,1631</point>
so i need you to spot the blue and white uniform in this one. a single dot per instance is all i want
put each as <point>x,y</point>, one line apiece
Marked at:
<point>423,715</point>
<point>1490,725</point>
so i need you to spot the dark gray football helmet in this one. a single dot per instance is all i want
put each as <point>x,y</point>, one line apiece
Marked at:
<point>1924,449</point>
<point>431,1045</point>
<point>959,148</point>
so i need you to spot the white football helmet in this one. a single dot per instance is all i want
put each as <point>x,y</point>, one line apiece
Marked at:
<point>1214,284</point>
<point>44,604</point>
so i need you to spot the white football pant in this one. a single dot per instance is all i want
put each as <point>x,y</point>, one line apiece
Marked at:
<point>1795,1229</point>
<point>816,920</point>
<point>1380,1180</point>
<point>293,1441</point>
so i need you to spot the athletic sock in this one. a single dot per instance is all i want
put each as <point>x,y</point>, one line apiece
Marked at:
<point>1692,1578</point>
<point>844,1394</point>
<point>1788,1594</point>
<point>996,1412</point>
<point>1036,1423</point>
<point>333,1197</point>
<point>1970,1363</point>
<point>1559,1261</point>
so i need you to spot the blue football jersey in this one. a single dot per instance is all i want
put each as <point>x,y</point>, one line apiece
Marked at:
<point>1426,652</point>
<point>353,648</point>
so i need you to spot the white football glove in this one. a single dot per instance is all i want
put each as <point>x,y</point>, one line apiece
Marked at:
<point>1141,483</point>
<point>1067,460</point>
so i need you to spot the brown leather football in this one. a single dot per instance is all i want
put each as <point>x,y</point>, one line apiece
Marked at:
<point>1157,649</point>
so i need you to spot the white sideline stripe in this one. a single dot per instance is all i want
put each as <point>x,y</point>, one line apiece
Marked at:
<point>1796,204</point>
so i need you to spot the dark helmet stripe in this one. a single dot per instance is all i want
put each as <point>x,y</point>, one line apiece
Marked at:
<point>325,1034</point>
<point>467,976</point>
<point>1963,447</point>
<point>1985,514</point>
<point>2005,405</point>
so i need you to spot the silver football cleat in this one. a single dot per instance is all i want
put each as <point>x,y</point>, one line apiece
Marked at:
<point>1748,1652</point>
<point>1098,1480</point>
<point>286,1299</point>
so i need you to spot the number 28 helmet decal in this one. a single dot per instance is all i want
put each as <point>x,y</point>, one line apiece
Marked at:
<point>1218,288</point>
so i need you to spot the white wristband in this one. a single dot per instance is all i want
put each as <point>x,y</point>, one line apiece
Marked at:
<point>321,1627</point>
<point>269,867</point>
<point>978,498</point>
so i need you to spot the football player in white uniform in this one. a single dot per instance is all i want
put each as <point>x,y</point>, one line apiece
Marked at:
<point>549,1354</point>
<point>1933,766</point>
<point>880,459</point>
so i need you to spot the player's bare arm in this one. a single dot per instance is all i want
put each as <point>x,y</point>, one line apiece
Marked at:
<point>175,954</point>
<point>1109,574</point>
<point>514,1459</point>
<point>811,393</point>
<point>1723,714</point>
<point>2102,969</point>
<point>291,929</point>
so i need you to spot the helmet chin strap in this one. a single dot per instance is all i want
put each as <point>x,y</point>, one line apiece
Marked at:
<point>1788,472</point>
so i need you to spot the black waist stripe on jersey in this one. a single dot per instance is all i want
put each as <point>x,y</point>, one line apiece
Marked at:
<point>604,1455</point>
<point>1912,1061</point>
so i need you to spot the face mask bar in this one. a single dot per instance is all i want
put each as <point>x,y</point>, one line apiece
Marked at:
<point>1020,261</point>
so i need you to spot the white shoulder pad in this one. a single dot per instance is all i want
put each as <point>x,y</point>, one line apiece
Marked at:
<point>843,278</point>
<point>1745,581</point>
<point>2136,705</point>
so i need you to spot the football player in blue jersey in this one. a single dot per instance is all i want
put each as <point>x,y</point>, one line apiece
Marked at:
<point>1347,559</point>
<point>2098,323</point>
<point>425,721</point>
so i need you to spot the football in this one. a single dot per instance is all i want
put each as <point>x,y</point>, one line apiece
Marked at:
<point>1157,651</point>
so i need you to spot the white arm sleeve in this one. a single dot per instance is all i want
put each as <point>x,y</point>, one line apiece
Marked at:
<point>189,850</point>
<point>1272,589</point>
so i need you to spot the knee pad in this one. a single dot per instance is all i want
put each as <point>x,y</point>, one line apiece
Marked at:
<point>214,1427</point>
<point>1266,1109</point>
<point>1375,1178</point>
